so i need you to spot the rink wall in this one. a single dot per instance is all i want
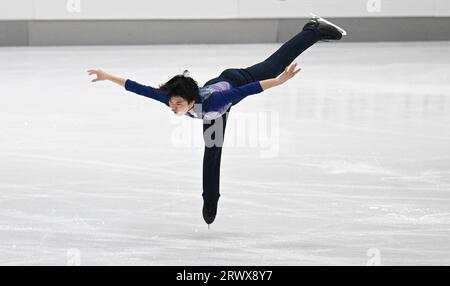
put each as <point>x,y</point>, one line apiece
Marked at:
<point>103,22</point>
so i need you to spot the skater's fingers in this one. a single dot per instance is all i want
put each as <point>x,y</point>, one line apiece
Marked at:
<point>292,67</point>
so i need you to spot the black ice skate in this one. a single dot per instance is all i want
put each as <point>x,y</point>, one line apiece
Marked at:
<point>209,210</point>
<point>328,30</point>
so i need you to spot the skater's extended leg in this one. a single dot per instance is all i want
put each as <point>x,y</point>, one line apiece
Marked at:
<point>285,55</point>
<point>315,30</point>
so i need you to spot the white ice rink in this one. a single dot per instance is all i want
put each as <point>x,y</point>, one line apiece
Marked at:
<point>356,171</point>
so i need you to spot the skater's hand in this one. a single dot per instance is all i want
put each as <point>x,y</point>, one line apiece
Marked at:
<point>101,75</point>
<point>288,73</point>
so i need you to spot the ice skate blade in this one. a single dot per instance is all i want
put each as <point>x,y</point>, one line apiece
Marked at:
<point>315,17</point>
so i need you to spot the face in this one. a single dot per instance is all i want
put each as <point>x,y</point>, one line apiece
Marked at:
<point>179,105</point>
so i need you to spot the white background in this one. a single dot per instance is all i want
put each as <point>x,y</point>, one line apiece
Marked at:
<point>216,9</point>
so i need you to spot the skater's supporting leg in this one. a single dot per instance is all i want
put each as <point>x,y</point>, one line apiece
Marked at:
<point>285,55</point>
<point>212,156</point>
<point>211,165</point>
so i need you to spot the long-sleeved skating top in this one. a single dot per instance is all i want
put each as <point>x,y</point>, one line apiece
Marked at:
<point>215,98</point>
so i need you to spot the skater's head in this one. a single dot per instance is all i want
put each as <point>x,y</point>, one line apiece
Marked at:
<point>182,92</point>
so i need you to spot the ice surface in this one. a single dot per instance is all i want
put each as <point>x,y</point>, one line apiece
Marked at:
<point>359,159</point>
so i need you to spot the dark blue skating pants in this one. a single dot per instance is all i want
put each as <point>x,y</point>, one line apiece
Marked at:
<point>269,68</point>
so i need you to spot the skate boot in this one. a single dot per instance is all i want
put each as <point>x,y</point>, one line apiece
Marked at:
<point>209,210</point>
<point>328,30</point>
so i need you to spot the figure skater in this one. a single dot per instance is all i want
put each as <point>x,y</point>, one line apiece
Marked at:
<point>213,101</point>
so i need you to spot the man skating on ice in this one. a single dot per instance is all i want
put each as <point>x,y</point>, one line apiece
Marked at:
<point>213,101</point>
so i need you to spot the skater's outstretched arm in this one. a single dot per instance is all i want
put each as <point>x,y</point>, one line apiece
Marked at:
<point>147,91</point>
<point>288,73</point>
<point>132,86</point>
<point>236,94</point>
<point>101,75</point>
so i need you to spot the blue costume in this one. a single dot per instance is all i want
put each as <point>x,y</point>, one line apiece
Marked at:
<point>215,98</point>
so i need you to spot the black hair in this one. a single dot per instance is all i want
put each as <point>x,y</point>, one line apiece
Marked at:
<point>182,85</point>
